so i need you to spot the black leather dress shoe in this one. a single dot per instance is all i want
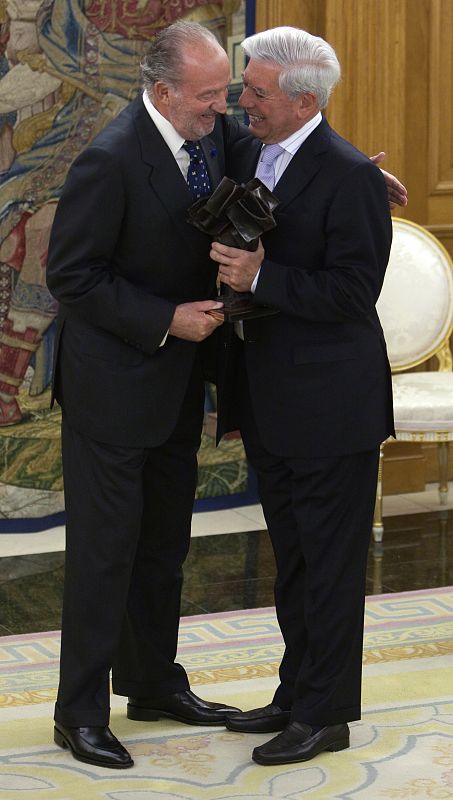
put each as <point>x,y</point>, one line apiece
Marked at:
<point>182,706</point>
<point>299,743</point>
<point>260,720</point>
<point>94,745</point>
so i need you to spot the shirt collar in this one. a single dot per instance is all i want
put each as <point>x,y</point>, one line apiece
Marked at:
<point>171,137</point>
<point>292,143</point>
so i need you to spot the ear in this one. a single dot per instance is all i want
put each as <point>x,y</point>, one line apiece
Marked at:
<point>160,93</point>
<point>308,106</point>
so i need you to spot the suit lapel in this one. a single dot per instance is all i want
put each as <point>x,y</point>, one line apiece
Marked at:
<point>165,178</point>
<point>209,148</point>
<point>304,165</point>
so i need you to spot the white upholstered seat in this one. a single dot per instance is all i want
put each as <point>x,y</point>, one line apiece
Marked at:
<point>416,311</point>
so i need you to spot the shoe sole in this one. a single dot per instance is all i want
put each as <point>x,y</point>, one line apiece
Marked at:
<point>334,747</point>
<point>258,729</point>
<point>62,742</point>
<point>153,715</point>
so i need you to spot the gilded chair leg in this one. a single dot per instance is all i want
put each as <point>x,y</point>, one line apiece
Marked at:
<point>378,525</point>
<point>443,547</point>
<point>442,453</point>
<point>378,555</point>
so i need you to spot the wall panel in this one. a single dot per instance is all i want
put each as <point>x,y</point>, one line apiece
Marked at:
<point>440,135</point>
<point>306,14</point>
<point>368,107</point>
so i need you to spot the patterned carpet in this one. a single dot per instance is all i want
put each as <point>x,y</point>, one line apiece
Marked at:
<point>402,748</point>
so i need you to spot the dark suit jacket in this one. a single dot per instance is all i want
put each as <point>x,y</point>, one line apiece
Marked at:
<point>121,257</point>
<point>318,371</point>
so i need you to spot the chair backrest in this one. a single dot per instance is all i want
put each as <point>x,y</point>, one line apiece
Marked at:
<point>416,303</point>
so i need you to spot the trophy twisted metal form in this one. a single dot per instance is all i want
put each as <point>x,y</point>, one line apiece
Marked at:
<point>236,215</point>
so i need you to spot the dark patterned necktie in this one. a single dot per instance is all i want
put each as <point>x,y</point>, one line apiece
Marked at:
<point>197,174</point>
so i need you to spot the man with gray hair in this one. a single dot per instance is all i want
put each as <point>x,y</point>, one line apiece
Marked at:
<point>134,283</point>
<point>310,386</point>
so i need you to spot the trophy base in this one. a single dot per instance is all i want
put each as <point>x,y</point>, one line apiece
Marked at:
<point>243,311</point>
<point>238,306</point>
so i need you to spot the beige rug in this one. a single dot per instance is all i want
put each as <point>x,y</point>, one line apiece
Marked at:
<point>402,748</point>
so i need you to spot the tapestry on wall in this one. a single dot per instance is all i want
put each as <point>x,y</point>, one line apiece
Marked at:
<point>67,67</point>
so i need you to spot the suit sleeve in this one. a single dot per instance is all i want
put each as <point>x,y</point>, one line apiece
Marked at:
<point>81,272</point>
<point>346,281</point>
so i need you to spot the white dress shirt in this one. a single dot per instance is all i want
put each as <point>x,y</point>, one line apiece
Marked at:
<point>290,147</point>
<point>292,144</point>
<point>171,137</point>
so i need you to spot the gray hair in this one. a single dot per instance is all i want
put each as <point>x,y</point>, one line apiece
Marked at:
<point>309,63</point>
<point>163,57</point>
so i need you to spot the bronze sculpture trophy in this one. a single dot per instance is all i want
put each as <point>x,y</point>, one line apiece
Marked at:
<point>236,215</point>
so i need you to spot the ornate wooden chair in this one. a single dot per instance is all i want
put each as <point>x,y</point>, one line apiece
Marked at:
<point>416,311</point>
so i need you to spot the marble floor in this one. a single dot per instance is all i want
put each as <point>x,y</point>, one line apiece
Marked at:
<point>230,565</point>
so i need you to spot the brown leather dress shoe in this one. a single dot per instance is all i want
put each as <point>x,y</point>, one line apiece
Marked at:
<point>299,743</point>
<point>260,720</point>
<point>94,745</point>
<point>182,706</point>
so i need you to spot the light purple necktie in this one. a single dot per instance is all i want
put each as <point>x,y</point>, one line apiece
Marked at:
<point>266,165</point>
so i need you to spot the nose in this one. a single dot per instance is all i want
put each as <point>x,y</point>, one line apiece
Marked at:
<point>220,103</point>
<point>243,98</point>
<point>220,106</point>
